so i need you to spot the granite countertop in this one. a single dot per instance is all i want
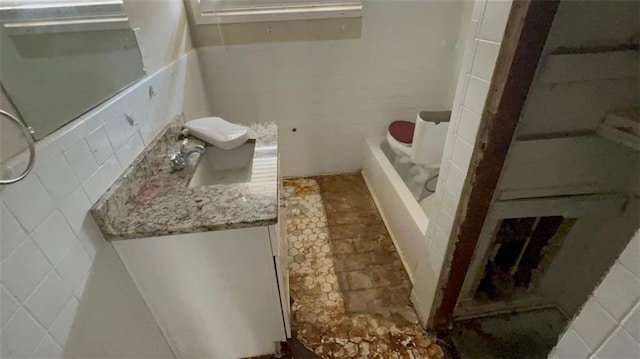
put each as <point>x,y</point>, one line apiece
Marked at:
<point>150,199</point>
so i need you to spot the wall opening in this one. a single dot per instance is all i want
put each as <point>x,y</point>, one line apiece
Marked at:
<point>522,249</point>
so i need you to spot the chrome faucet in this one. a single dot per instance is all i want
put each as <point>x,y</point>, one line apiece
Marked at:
<point>180,160</point>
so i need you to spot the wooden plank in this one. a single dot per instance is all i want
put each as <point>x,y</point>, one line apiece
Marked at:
<point>566,166</point>
<point>575,106</point>
<point>525,35</point>
<point>470,309</point>
<point>622,127</point>
<point>621,137</point>
<point>589,66</point>
<point>569,206</point>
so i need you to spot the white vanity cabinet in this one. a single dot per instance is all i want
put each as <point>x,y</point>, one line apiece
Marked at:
<point>221,294</point>
<point>278,235</point>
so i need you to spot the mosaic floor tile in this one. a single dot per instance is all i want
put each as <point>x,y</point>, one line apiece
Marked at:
<point>349,291</point>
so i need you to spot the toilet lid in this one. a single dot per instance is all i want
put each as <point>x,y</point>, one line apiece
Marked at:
<point>402,131</point>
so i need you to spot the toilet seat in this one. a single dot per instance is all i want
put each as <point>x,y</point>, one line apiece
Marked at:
<point>400,137</point>
<point>402,131</point>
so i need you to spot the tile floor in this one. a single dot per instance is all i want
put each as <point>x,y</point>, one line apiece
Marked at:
<point>370,274</point>
<point>349,292</point>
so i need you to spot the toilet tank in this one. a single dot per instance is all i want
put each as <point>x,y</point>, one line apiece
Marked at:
<point>429,137</point>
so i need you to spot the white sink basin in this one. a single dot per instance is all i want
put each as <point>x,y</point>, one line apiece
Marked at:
<point>218,132</point>
<point>218,166</point>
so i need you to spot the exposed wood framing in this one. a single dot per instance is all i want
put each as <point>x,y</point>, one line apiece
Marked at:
<point>525,35</point>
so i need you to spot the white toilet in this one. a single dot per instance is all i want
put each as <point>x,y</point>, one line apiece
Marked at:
<point>418,147</point>
<point>400,138</point>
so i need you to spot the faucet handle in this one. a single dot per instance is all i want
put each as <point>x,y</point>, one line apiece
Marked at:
<point>196,148</point>
<point>180,160</point>
<point>183,146</point>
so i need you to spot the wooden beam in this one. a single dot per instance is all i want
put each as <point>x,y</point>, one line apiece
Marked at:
<point>525,35</point>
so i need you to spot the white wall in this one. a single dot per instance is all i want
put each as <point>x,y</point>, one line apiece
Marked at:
<point>483,39</point>
<point>608,326</point>
<point>163,30</point>
<point>336,92</point>
<point>64,291</point>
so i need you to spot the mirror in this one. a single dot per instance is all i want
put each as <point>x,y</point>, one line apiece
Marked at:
<point>61,58</point>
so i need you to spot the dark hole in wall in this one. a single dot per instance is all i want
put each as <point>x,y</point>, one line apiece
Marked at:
<point>520,244</point>
<point>546,229</point>
<point>512,235</point>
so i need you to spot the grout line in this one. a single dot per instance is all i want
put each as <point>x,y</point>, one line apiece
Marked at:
<point>465,141</point>
<point>620,325</point>
<point>33,293</point>
<point>472,111</point>
<point>28,236</point>
<point>479,78</point>
<point>489,41</point>
<point>625,267</point>
<point>16,300</point>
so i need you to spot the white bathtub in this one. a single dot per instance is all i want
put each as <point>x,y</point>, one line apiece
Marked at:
<point>406,221</point>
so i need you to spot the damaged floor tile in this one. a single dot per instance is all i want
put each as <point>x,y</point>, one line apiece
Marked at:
<point>349,291</point>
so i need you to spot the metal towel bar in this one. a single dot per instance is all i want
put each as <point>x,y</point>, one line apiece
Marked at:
<point>28,133</point>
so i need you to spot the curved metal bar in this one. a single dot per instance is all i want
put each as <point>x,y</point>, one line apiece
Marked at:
<point>28,133</point>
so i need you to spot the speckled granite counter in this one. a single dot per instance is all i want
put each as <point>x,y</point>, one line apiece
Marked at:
<point>150,199</point>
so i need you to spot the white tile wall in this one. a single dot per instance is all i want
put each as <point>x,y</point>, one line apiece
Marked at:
<point>485,32</point>
<point>74,208</point>
<point>48,299</point>
<point>481,51</point>
<point>57,178</point>
<point>8,305</point>
<point>335,93</point>
<point>48,348</point>
<point>619,345</point>
<point>494,20</point>
<point>20,335</point>
<point>608,326</point>
<point>461,155</point>
<point>476,93</point>
<point>80,159</point>
<point>100,145</point>
<point>47,241</point>
<point>54,237</point>
<point>95,186</point>
<point>11,233</point>
<point>594,324</point>
<point>571,346</point>
<point>619,291</point>
<point>468,126</point>
<point>632,323</point>
<point>438,247</point>
<point>29,202</point>
<point>23,269</point>
<point>485,59</point>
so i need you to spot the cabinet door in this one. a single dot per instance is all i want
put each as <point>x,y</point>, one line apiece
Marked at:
<point>283,281</point>
<point>278,235</point>
<point>213,294</point>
